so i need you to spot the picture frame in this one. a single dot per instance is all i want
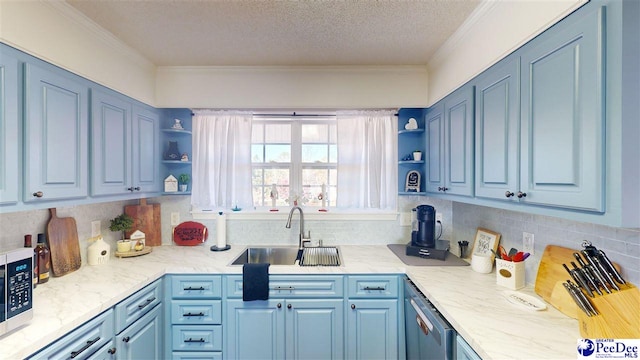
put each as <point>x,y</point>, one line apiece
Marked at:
<point>485,243</point>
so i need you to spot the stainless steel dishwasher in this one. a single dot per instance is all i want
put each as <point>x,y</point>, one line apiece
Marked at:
<point>428,334</point>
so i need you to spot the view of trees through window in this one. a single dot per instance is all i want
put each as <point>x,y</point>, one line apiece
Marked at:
<point>296,156</point>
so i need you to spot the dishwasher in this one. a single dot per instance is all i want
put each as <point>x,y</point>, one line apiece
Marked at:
<point>428,334</point>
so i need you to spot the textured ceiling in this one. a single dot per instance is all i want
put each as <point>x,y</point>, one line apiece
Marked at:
<point>280,33</point>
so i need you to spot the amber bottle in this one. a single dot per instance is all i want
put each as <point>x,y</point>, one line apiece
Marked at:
<point>44,260</point>
<point>27,244</point>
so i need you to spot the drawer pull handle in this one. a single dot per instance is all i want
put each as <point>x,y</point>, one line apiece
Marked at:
<point>38,194</point>
<point>377,288</point>
<point>149,301</point>
<point>284,288</point>
<point>190,340</point>
<point>85,347</point>
<point>193,288</point>
<point>192,314</point>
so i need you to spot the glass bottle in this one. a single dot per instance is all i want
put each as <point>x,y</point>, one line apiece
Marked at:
<point>44,260</point>
<point>34,274</point>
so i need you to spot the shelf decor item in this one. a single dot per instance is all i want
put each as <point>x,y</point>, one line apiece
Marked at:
<point>417,155</point>
<point>412,124</point>
<point>170,184</point>
<point>122,222</point>
<point>412,183</point>
<point>484,246</point>
<point>172,152</point>
<point>177,124</point>
<point>184,181</point>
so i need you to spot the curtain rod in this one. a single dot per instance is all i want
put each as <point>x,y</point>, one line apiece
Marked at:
<point>294,114</point>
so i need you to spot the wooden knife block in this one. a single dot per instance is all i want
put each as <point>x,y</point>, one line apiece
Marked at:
<point>619,312</point>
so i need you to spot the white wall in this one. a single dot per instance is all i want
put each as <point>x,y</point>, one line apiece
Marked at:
<point>55,32</point>
<point>494,30</point>
<point>292,87</point>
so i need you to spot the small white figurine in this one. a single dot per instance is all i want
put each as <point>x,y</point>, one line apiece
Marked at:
<point>412,124</point>
<point>274,197</point>
<point>177,125</point>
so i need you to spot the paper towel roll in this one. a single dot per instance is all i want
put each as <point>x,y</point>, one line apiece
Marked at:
<point>221,230</point>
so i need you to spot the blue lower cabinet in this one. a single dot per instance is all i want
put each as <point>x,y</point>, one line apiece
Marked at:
<point>196,355</point>
<point>254,329</point>
<point>464,351</point>
<point>314,329</point>
<point>196,338</point>
<point>372,329</point>
<point>143,339</point>
<point>106,352</point>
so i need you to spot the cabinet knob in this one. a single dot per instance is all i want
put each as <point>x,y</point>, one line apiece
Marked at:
<point>289,306</point>
<point>137,188</point>
<point>112,351</point>
<point>353,306</point>
<point>442,188</point>
<point>130,189</point>
<point>508,194</point>
<point>279,305</point>
<point>126,339</point>
<point>520,195</point>
<point>38,194</point>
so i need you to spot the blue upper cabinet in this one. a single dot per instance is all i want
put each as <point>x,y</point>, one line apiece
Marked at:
<point>498,131</point>
<point>450,144</point>
<point>9,130</point>
<point>562,115</point>
<point>124,146</point>
<point>56,133</point>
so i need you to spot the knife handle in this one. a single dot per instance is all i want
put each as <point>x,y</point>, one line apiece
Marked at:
<point>612,270</point>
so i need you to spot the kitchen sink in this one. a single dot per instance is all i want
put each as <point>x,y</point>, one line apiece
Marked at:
<point>311,256</point>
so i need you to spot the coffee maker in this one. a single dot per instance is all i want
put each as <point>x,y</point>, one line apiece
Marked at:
<point>424,242</point>
<point>424,230</point>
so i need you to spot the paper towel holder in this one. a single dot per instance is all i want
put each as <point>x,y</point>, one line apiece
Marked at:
<point>221,234</point>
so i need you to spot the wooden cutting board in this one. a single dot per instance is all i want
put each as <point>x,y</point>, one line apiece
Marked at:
<point>146,218</point>
<point>62,236</point>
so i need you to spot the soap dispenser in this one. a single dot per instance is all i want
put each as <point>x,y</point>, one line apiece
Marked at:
<point>98,252</point>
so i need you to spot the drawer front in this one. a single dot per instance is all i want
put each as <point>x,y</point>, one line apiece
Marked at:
<point>138,304</point>
<point>196,338</point>
<point>293,286</point>
<point>378,286</point>
<point>82,341</point>
<point>106,352</point>
<point>196,312</point>
<point>177,355</point>
<point>196,287</point>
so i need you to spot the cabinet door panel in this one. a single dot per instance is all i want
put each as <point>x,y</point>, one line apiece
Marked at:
<point>435,157</point>
<point>254,329</point>
<point>146,171</point>
<point>111,144</point>
<point>9,155</point>
<point>562,160</point>
<point>314,329</point>
<point>143,339</point>
<point>458,162</point>
<point>56,146</point>
<point>498,130</point>
<point>372,329</point>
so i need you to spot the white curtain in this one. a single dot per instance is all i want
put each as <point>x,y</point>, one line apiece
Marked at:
<point>221,159</point>
<point>367,159</point>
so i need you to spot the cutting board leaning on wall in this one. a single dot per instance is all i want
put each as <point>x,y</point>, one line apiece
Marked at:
<point>64,247</point>
<point>146,218</point>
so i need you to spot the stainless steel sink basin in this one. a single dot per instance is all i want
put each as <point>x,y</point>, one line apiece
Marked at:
<point>311,256</point>
<point>271,255</point>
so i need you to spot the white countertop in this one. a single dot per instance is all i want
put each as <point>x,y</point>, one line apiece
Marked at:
<point>472,302</point>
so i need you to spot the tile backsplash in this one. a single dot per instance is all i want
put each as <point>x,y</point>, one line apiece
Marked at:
<point>460,222</point>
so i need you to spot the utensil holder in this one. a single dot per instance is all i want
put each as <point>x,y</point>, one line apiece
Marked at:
<point>619,315</point>
<point>510,274</point>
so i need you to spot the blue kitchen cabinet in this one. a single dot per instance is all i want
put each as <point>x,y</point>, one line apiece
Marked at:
<point>143,339</point>
<point>410,140</point>
<point>314,329</point>
<point>450,144</point>
<point>254,329</point>
<point>124,146</point>
<point>562,151</point>
<point>56,135</point>
<point>9,128</point>
<point>497,147</point>
<point>464,351</point>
<point>372,329</point>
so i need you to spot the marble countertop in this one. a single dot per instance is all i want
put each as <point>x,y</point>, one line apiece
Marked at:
<point>472,302</point>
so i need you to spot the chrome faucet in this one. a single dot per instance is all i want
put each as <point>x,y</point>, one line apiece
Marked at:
<point>302,240</point>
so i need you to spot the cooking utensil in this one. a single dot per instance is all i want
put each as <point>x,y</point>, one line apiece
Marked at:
<point>62,237</point>
<point>146,218</point>
<point>518,257</point>
<point>512,253</point>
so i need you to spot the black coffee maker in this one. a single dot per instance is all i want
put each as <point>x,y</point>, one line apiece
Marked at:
<point>424,229</point>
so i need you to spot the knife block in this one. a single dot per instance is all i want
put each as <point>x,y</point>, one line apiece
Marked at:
<point>619,316</point>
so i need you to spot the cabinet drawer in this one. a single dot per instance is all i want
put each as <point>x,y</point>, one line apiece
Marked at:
<point>106,352</point>
<point>177,355</point>
<point>196,338</point>
<point>138,304</point>
<point>293,286</point>
<point>83,341</point>
<point>196,312</point>
<point>196,286</point>
<point>385,286</point>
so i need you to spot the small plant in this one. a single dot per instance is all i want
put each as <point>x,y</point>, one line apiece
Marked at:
<point>122,222</point>
<point>184,178</point>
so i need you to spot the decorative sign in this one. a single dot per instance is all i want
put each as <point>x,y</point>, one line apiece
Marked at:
<point>171,184</point>
<point>412,183</point>
<point>486,242</point>
<point>190,233</point>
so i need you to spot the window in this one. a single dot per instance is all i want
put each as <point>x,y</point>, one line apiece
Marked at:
<point>295,155</point>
